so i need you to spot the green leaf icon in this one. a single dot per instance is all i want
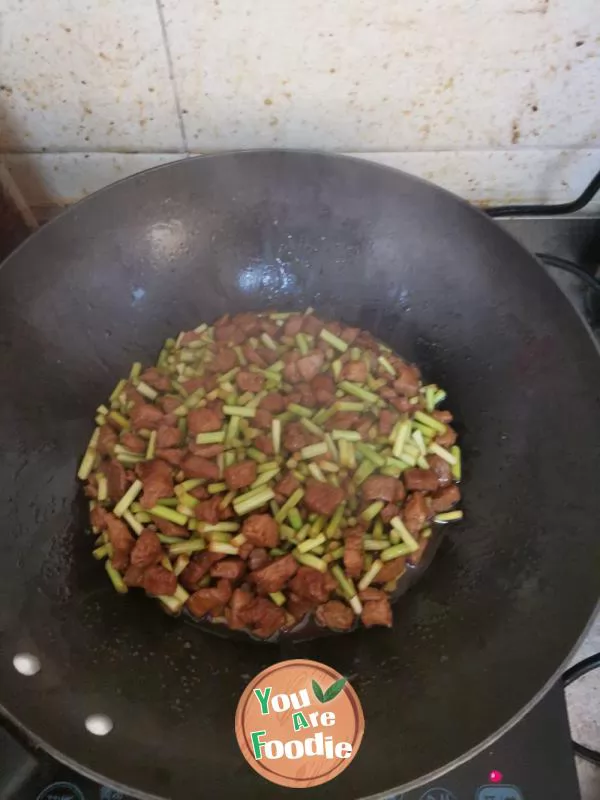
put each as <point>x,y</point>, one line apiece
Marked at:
<point>334,690</point>
<point>318,692</point>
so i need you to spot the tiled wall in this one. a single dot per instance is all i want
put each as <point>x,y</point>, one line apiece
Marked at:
<point>495,99</point>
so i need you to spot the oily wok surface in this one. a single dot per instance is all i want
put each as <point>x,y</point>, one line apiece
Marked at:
<point>511,587</point>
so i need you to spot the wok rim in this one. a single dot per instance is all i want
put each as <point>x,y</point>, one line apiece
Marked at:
<point>68,214</point>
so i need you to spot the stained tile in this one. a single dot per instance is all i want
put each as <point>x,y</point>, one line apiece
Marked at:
<point>58,179</point>
<point>365,75</point>
<point>85,76</point>
<point>486,177</point>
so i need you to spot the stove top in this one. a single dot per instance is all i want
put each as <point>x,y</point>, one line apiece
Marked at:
<point>532,761</point>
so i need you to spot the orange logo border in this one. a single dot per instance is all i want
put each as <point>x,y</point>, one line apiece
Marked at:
<point>243,733</point>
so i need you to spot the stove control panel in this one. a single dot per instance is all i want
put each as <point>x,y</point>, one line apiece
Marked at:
<point>499,792</point>
<point>494,791</point>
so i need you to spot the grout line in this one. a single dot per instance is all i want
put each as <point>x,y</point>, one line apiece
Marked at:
<point>163,28</point>
<point>337,151</point>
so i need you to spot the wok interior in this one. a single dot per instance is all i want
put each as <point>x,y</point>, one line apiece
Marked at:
<point>487,626</point>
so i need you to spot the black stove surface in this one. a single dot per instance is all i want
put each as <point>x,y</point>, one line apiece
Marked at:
<point>533,761</point>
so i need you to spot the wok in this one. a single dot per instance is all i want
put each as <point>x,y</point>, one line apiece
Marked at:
<point>486,630</point>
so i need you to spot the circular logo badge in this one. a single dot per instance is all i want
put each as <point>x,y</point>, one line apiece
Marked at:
<point>299,723</point>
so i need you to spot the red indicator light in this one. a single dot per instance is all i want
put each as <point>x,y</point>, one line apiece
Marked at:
<point>495,776</point>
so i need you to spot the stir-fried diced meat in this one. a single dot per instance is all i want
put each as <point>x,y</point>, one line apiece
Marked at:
<point>147,550</point>
<point>133,443</point>
<point>157,479</point>
<point>274,402</point>
<point>240,599</point>
<point>353,552</point>
<point>299,607</point>
<point>335,615</point>
<point>287,485</point>
<point>257,558</point>
<point>107,440</point>
<point>388,512</point>
<point>296,448</point>
<point>204,420</point>
<point>417,510</point>
<point>158,580</point>
<point>380,487</point>
<point>391,570</point>
<point>312,325</point>
<point>309,366</point>
<point>230,334</point>
<point>205,450</point>
<point>121,540</point>
<point>371,593</point>
<point>167,437</point>
<point>265,444</point>
<point>99,517</point>
<point>198,568</point>
<point>199,467</point>
<point>171,455</point>
<point>323,389</point>
<point>355,371</point>
<point>170,528</point>
<point>343,421</point>
<point>263,617</point>
<point>312,585</point>
<point>293,325</point>
<point>442,469</point>
<point>275,575</point>
<point>448,438</point>
<point>210,599</point>
<point>147,416</point>
<point>444,499</point>
<point>241,474</point>
<point>377,612</point>
<point>230,568</point>
<point>134,577</point>
<point>295,436</point>
<point>420,480</point>
<point>209,510</point>
<point>250,381</point>
<point>261,530</point>
<point>222,361</point>
<point>322,498</point>
<point>156,380</point>
<point>386,422</point>
<point>407,382</point>
<point>116,477</point>
<point>263,419</point>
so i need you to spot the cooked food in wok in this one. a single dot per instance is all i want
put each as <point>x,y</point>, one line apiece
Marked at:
<point>271,471</point>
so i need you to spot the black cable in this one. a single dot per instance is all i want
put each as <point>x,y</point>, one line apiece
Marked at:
<point>549,210</point>
<point>569,266</point>
<point>570,676</point>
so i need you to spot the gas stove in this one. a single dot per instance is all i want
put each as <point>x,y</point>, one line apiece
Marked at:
<point>532,761</point>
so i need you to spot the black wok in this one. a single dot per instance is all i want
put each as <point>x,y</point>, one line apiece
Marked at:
<point>501,607</point>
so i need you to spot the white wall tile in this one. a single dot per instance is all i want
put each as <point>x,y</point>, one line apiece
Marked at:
<point>47,179</point>
<point>85,75</point>
<point>495,99</point>
<point>486,177</point>
<point>382,75</point>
